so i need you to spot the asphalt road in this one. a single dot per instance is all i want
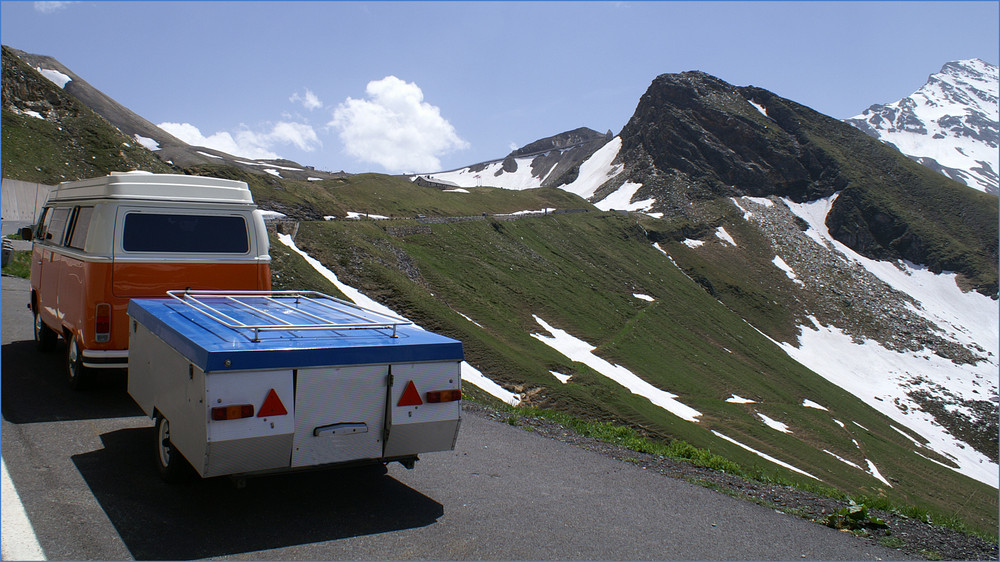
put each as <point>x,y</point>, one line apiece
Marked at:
<point>82,465</point>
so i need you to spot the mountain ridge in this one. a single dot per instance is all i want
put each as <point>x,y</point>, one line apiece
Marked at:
<point>167,147</point>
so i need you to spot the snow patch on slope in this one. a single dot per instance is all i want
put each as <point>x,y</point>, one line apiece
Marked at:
<point>579,350</point>
<point>492,175</point>
<point>596,170</point>
<point>763,456</point>
<point>54,76</point>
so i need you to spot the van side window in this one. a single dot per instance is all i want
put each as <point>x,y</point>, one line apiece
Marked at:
<point>55,224</point>
<point>204,234</point>
<point>43,223</point>
<point>81,225</point>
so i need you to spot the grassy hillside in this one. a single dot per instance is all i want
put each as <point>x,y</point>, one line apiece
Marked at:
<point>578,272</point>
<point>72,143</point>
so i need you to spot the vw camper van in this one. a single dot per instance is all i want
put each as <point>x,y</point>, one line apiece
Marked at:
<point>100,242</point>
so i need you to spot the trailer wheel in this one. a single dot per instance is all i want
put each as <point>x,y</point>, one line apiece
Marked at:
<point>45,337</point>
<point>172,466</point>
<point>79,376</point>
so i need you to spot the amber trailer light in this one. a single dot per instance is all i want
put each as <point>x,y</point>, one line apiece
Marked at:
<point>221,413</point>
<point>444,395</point>
<point>102,327</point>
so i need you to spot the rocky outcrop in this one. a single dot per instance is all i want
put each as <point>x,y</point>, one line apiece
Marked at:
<point>710,134</point>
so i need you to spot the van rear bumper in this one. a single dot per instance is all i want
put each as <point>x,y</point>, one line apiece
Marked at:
<point>105,358</point>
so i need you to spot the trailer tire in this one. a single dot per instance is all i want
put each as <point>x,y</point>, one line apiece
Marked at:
<point>171,465</point>
<point>45,337</point>
<point>79,376</point>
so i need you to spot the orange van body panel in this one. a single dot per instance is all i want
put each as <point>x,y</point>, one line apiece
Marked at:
<point>82,285</point>
<point>145,280</point>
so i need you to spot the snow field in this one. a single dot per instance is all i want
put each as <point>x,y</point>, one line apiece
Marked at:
<point>881,377</point>
<point>54,76</point>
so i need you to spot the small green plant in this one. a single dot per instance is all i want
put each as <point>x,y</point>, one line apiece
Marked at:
<point>931,554</point>
<point>892,542</point>
<point>854,517</point>
<point>19,265</point>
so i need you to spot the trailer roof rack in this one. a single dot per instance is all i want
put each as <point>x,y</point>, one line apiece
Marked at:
<point>252,312</point>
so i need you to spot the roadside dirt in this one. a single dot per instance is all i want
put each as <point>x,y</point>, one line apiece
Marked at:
<point>913,537</point>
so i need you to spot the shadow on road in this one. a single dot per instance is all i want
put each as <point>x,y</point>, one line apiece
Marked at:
<point>206,518</point>
<point>35,388</point>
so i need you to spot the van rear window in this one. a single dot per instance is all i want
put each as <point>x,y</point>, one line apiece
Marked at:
<point>203,234</point>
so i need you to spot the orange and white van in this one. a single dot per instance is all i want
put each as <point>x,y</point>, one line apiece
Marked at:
<point>100,242</point>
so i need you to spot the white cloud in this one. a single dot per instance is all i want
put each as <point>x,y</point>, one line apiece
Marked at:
<point>309,101</point>
<point>50,7</point>
<point>301,135</point>
<point>395,128</point>
<point>247,143</point>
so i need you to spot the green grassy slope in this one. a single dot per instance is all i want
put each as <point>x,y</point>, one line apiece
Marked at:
<point>578,272</point>
<point>80,145</point>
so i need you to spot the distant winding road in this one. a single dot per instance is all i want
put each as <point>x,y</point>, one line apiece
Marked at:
<point>82,467</point>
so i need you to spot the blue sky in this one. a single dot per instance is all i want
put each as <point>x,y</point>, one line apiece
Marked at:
<point>431,86</point>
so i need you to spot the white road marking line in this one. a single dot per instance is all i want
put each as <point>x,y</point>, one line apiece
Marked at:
<point>18,541</point>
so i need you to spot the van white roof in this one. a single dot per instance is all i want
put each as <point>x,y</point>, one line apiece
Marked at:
<point>146,186</point>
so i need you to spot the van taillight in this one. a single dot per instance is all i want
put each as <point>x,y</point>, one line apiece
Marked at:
<point>103,327</point>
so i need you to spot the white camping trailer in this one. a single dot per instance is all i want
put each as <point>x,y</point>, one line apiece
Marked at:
<point>244,383</point>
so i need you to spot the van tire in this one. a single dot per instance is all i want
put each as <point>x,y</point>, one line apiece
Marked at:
<point>171,465</point>
<point>79,376</point>
<point>45,337</point>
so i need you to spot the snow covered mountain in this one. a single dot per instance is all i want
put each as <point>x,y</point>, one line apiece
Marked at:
<point>949,124</point>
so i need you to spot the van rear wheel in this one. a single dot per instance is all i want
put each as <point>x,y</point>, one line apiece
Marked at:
<point>45,337</point>
<point>79,376</point>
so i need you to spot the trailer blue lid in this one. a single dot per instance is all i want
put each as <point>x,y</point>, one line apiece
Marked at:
<point>212,337</point>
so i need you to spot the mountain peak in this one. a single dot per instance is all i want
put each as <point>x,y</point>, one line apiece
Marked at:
<point>561,141</point>
<point>950,124</point>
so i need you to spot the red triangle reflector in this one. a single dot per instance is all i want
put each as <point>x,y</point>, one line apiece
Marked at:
<point>410,396</point>
<point>272,406</point>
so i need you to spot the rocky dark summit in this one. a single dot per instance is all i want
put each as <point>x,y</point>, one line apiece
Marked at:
<point>695,138</point>
<point>709,134</point>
